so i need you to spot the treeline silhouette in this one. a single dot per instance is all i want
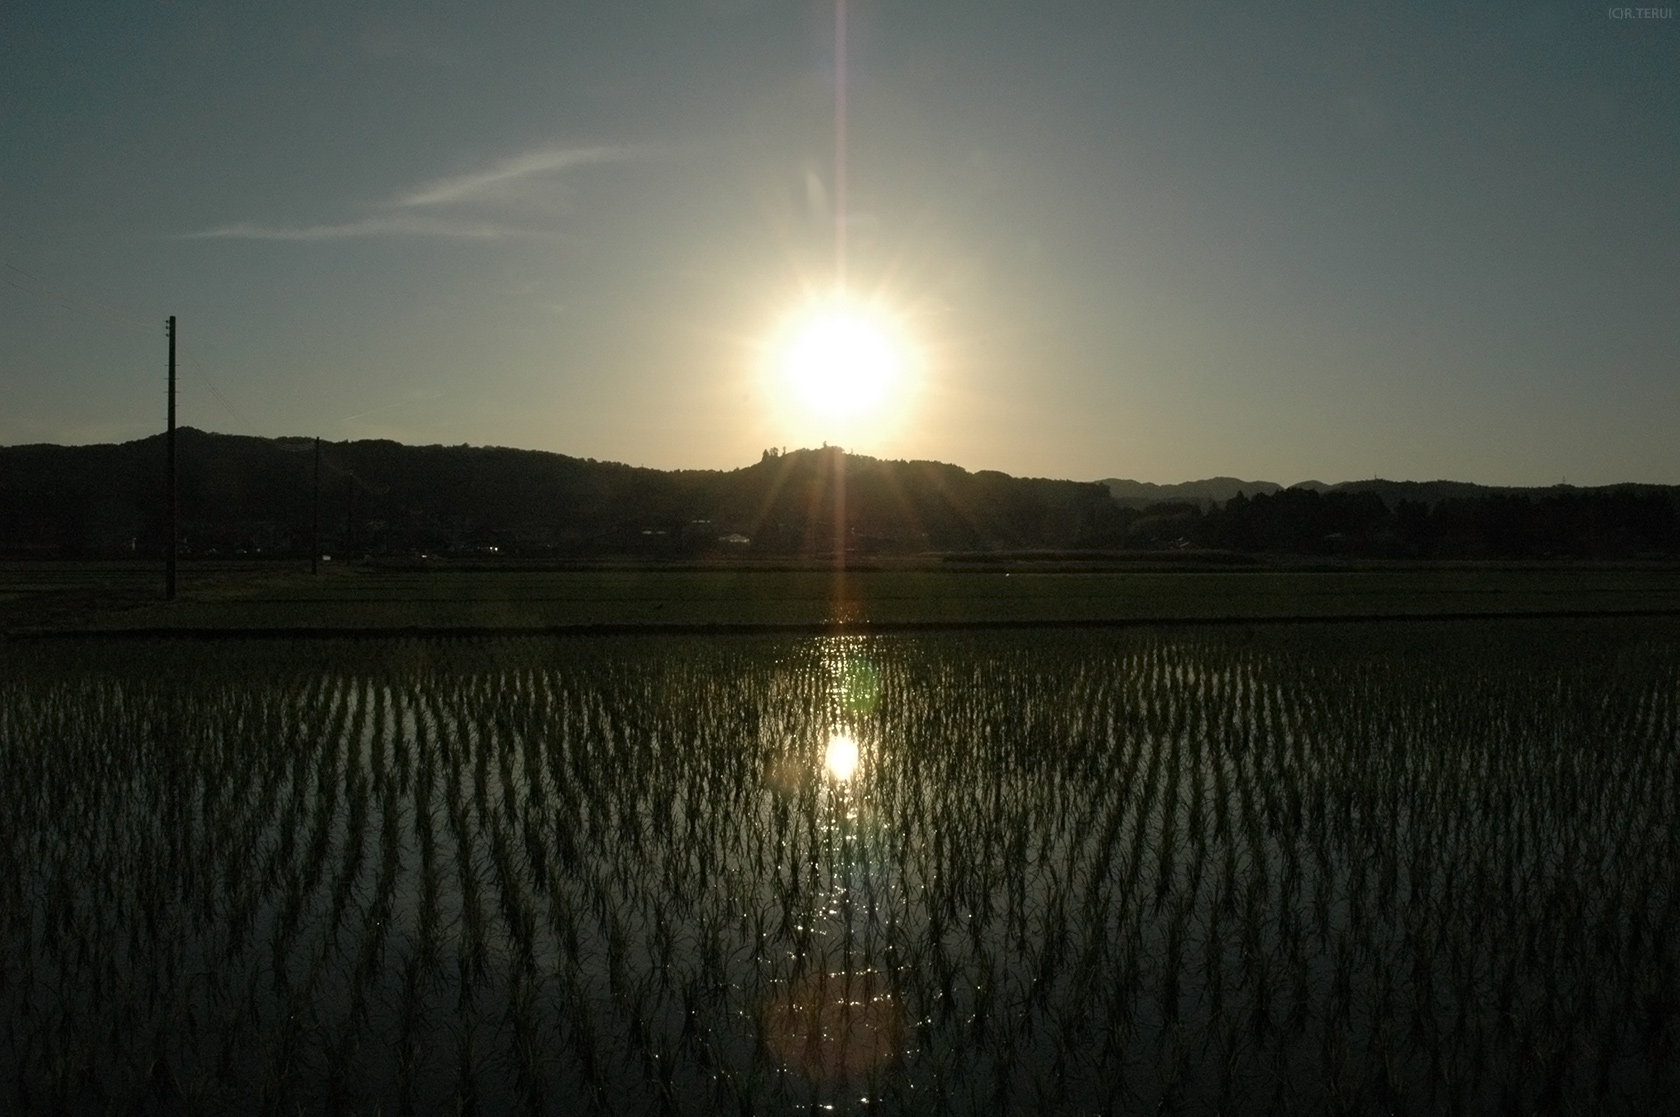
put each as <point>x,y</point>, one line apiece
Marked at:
<point>244,496</point>
<point>250,496</point>
<point>1621,522</point>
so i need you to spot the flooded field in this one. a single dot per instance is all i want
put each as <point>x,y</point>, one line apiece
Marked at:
<point>1346,868</point>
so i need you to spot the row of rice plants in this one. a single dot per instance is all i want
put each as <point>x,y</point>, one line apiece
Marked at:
<point>1396,868</point>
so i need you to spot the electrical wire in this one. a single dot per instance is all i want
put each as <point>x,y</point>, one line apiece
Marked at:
<point>128,318</point>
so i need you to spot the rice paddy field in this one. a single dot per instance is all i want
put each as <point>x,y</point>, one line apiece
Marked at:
<point>1408,867</point>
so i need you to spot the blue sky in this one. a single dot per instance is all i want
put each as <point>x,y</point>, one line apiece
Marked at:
<point>1160,241</point>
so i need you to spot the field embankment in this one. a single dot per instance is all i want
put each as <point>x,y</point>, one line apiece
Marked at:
<point>48,598</point>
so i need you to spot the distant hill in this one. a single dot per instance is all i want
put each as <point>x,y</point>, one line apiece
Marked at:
<point>1445,520</point>
<point>1434,492</point>
<point>1214,490</point>
<point>241,495</point>
<point>1218,490</point>
<point>1402,519</point>
<point>256,496</point>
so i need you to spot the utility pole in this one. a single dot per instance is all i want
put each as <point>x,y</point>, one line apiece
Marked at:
<point>174,508</point>
<point>315,526</point>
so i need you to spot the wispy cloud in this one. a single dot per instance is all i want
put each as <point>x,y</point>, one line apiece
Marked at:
<point>471,206</point>
<point>477,184</point>
<point>368,227</point>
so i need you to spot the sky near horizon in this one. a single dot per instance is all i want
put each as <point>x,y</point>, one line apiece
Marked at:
<point>1156,241</point>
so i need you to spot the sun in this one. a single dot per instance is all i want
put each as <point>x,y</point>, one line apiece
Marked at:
<point>840,360</point>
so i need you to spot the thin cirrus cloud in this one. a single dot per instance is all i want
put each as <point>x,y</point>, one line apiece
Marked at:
<point>498,177</point>
<point>394,225</point>
<point>494,187</point>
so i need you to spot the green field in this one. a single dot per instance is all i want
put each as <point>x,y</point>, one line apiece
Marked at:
<point>1310,868</point>
<point>91,597</point>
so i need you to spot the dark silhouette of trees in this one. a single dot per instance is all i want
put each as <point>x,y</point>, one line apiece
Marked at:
<point>1615,523</point>
<point>255,496</point>
<point>245,496</point>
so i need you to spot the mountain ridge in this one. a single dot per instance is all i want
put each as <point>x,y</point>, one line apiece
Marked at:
<point>245,494</point>
<point>242,495</point>
<point>1218,490</point>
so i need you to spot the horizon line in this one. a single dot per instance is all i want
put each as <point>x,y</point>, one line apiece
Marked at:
<point>1309,484</point>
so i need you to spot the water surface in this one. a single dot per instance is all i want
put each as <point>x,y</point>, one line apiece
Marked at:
<point>1363,868</point>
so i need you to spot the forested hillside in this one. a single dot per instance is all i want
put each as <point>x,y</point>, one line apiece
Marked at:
<point>242,496</point>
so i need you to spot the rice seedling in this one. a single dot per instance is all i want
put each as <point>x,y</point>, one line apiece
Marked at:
<point>1340,868</point>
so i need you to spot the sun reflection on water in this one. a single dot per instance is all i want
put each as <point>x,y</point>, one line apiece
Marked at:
<point>835,1025</point>
<point>840,759</point>
<point>833,1011</point>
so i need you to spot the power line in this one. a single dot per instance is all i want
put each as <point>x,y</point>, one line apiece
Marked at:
<point>179,363</point>
<point>203,374</point>
<point>120,316</point>
<point>117,316</point>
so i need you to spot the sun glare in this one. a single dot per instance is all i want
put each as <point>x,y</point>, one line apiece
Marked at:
<point>841,361</point>
<point>841,758</point>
